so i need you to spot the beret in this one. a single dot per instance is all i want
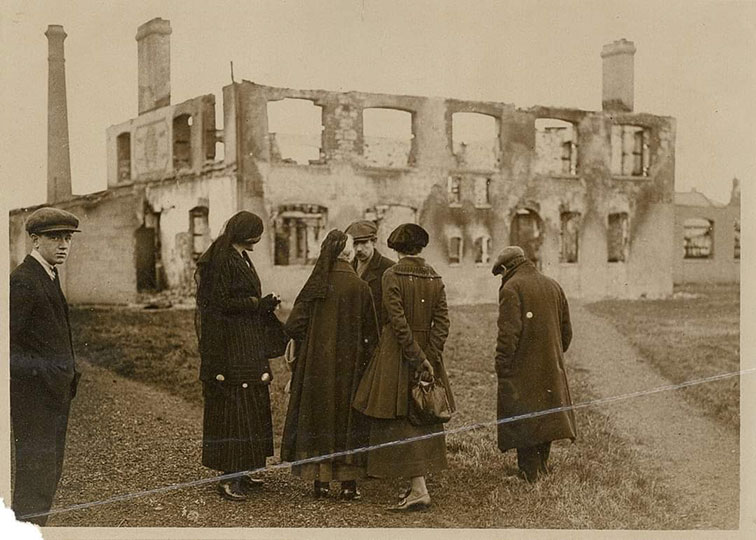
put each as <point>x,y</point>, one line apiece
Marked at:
<point>507,256</point>
<point>408,235</point>
<point>48,219</point>
<point>362,230</point>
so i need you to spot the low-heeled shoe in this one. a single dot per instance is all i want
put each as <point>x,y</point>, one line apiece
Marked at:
<point>231,492</point>
<point>411,504</point>
<point>249,484</point>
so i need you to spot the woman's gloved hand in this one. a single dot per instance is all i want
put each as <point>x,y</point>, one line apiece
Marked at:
<point>269,302</point>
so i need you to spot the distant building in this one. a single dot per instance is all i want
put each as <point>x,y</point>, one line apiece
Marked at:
<point>588,194</point>
<point>707,238</point>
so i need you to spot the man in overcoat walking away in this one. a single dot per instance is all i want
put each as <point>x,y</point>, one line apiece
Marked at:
<point>42,367</point>
<point>534,331</point>
<point>369,263</point>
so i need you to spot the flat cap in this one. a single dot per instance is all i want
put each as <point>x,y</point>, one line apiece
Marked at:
<point>362,230</point>
<point>508,255</point>
<point>48,220</point>
<point>408,235</point>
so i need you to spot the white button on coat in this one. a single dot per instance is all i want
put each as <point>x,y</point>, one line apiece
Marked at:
<point>529,314</point>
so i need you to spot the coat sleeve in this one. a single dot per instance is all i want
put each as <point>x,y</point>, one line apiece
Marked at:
<point>22,301</point>
<point>566,323</point>
<point>440,325</point>
<point>392,301</point>
<point>223,300</point>
<point>298,321</point>
<point>510,328</point>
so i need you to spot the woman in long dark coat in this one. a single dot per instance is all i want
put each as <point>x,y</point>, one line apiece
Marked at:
<point>334,326</point>
<point>412,341</point>
<point>237,426</point>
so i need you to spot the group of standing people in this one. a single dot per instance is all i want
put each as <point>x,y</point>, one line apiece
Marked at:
<point>361,332</point>
<point>361,329</point>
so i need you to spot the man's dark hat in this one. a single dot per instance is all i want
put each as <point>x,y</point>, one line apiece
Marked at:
<point>362,230</point>
<point>508,255</point>
<point>50,220</point>
<point>407,236</point>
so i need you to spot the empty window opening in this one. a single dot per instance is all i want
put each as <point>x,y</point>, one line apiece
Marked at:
<point>455,249</point>
<point>387,136</point>
<point>617,237</point>
<point>568,237</point>
<point>482,248</point>
<point>556,146</point>
<point>631,154</point>
<point>454,190</point>
<point>698,238</point>
<point>199,228</point>
<point>482,192</point>
<point>123,144</point>
<point>736,253</point>
<point>182,142</point>
<point>295,131</point>
<point>148,259</point>
<point>475,140</point>
<point>299,229</point>
<point>526,233</point>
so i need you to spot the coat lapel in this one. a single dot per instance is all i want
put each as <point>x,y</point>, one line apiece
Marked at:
<point>247,271</point>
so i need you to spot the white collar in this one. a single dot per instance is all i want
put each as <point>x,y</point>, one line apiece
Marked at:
<point>49,268</point>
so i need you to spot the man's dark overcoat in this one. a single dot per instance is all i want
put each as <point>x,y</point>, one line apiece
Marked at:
<point>43,381</point>
<point>534,332</point>
<point>373,276</point>
<point>335,338</point>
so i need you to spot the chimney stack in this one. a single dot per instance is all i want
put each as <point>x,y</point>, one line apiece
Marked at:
<point>58,156</point>
<point>154,64</point>
<point>618,83</point>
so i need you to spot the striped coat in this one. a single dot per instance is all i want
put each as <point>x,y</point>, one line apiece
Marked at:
<point>231,330</point>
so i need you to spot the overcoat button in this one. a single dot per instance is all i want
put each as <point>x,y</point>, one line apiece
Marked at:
<point>529,314</point>
<point>220,377</point>
<point>244,385</point>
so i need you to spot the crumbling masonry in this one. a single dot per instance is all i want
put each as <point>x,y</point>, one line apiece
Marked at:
<point>588,194</point>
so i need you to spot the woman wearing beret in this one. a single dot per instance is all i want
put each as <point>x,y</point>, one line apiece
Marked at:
<point>411,343</point>
<point>335,330</point>
<point>237,426</point>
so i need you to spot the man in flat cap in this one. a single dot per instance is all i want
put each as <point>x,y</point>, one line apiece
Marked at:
<point>369,263</point>
<point>42,370</point>
<point>534,332</point>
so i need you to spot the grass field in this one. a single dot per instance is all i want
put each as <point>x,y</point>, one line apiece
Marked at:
<point>595,484</point>
<point>693,336</point>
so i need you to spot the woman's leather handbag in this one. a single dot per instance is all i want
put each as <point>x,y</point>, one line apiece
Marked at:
<point>274,337</point>
<point>429,403</point>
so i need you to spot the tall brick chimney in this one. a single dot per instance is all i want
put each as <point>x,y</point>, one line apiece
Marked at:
<point>618,83</point>
<point>58,156</point>
<point>154,64</point>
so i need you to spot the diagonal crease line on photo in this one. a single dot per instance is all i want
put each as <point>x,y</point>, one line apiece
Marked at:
<point>461,429</point>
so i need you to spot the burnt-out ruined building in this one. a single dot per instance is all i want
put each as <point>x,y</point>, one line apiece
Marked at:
<point>707,238</point>
<point>588,194</point>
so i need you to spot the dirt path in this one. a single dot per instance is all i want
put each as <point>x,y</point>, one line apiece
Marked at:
<point>694,455</point>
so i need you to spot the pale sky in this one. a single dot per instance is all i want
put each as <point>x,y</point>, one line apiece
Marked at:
<point>694,62</point>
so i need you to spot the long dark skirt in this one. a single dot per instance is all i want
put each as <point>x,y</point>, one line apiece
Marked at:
<point>237,427</point>
<point>409,459</point>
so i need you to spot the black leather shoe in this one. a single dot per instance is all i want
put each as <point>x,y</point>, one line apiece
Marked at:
<point>349,491</point>
<point>230,490</point>
<point>321,489</point>
<point>247,484</point>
